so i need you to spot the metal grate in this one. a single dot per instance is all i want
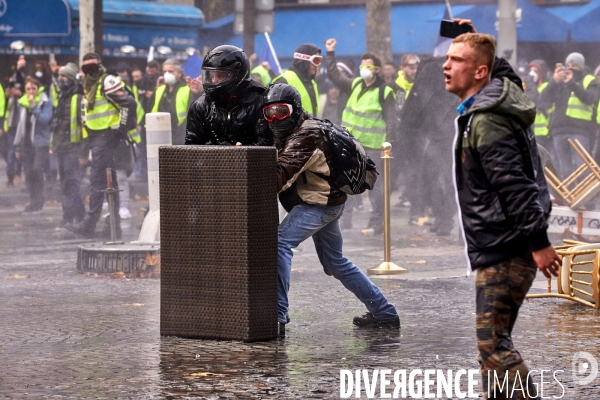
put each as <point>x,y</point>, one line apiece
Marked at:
<point>219,220</point>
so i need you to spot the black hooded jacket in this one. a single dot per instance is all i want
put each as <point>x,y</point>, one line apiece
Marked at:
<point>238,119</point>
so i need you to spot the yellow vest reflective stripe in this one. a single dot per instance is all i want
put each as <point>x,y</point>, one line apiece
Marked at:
<point>182,100</point>
<point>577,109</point>
<point>540,125</point>
<point>104,115</point>
<point>293,80</point>
<point>363,117</point>
<point>404,84</point>
<point>75,126</point>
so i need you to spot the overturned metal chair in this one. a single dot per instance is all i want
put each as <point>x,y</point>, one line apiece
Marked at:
<point>578,275</point>
<point>582,185</point>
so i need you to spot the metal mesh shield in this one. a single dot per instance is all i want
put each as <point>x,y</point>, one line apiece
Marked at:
<point>218,223</point>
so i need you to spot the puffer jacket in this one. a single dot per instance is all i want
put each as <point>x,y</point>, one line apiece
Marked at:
<point>302,164</point>
<point>241,120</point>
<point>502,193</point>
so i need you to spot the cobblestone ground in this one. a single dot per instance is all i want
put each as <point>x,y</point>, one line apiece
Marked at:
<point>67,335</point>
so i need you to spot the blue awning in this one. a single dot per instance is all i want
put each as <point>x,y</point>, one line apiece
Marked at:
<point>583,20</point>
<point>140,24</point>
<point>414,27</point>
<point>536,24</point>
<point>27,20</point>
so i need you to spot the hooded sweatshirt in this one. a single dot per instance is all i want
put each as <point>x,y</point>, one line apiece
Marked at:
<point>501,189</point>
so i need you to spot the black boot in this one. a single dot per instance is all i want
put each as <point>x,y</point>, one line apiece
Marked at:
<point>86,227</point>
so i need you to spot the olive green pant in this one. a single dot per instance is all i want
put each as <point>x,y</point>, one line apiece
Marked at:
<point>500,290</point>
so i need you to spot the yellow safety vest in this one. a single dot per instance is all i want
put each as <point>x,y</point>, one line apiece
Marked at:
<point>182,99</point>
<point>24,101</point>
<point>75,125</point>
<point>261,71</point>
<point>540,125</point>
<point>293,80</point>
<point>104,115</point>
<point>404,84</point>
<point>2,102</point>
<point>576,108</point>
<point>363,117</point>
<point>54,94</point>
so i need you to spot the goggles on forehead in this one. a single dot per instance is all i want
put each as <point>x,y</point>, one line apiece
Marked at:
<point>279,111</point>
<point>315,59</point>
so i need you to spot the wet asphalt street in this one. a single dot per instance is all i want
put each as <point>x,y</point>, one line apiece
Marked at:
<point>74,336</point>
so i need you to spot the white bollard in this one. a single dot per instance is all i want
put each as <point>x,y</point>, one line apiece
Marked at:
<point>158,133</point>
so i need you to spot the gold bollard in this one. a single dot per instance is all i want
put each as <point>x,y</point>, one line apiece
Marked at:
<point>387,267</point>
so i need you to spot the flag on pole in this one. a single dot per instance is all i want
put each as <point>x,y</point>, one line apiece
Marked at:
<point>443,43</point>
<point>192,67</point>
<point>151,54</point>
<point>268,54</point>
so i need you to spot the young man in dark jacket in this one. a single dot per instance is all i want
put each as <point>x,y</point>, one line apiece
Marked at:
<point>67,144</point>
<point>503,201</point>
<point>314,207</point>
<point>230,110</point>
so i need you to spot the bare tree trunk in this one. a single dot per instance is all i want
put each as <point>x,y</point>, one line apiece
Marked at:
<point>86,27</point>
<point>214,9</point>
<point>378,29</point>
<point>249,22</point>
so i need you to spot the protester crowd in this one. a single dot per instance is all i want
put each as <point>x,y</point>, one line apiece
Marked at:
<point>69,123</point>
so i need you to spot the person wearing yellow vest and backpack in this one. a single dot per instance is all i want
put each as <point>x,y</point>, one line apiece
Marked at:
<point>67,143</point>
<point>301,75</point>
<point>109,112</point>
<point>175,97</point>
<point>574,96</point>
<point>370,115</point>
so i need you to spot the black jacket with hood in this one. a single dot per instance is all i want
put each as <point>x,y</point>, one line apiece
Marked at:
<point>501,189</point>
<point>238,119</point>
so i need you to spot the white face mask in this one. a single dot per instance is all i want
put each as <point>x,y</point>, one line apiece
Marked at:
<point>366,74</point>
<point>39,74</point>
<point>170,78</point>
<point>533,75</point>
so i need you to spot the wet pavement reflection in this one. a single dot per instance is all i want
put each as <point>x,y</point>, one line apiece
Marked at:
<point>66,335</point>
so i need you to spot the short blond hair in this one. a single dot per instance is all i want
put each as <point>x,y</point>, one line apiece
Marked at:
<point>483,45</point>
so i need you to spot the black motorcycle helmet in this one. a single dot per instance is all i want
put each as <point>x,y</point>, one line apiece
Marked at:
<point>282,93</point>
<point>223,69</point>
<point>282,120</point>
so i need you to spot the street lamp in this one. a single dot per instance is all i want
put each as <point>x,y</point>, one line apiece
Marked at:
<point>164,50</point>
<point>17,45</point>
<point>127,49</point>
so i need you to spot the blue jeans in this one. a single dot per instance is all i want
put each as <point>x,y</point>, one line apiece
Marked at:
<point>322,223</point>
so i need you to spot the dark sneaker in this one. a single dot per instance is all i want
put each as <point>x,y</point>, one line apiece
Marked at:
<point>281,326</point>
<point>369,321</point>
<point>281,333</point>
<point>32,210</point>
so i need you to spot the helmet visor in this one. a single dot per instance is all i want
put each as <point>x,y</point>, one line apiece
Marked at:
<point>279,111</point>
<point>216,77</point>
